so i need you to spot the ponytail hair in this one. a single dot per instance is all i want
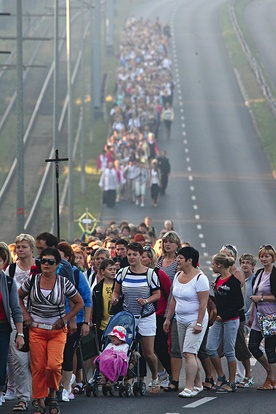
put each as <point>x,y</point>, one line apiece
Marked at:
<point>224,260</point>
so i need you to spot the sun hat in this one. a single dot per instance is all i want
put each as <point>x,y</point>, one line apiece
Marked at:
<point>119,332</point>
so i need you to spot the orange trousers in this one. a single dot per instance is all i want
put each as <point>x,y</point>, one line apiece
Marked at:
<point>46,357</point>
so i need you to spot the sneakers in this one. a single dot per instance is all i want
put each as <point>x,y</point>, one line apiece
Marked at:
<point>65,396</point>
<point>137,202</point>
<point>2,399</point>
<point>9,396</point>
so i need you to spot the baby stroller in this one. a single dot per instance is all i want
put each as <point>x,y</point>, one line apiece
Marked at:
<point>130,323</point>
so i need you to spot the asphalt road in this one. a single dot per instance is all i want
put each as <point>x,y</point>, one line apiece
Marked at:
<point>221,188</point>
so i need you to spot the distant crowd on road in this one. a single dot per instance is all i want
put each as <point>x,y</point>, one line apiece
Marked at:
<point>67,288</point>
<point>130,161</point>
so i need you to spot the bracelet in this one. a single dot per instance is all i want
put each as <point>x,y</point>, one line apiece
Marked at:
<point>146,301</point>
<point>199,324</point>
<point>86,323</point>
<point>20,334</point>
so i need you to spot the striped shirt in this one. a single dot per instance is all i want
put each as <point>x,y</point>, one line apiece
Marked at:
<point>50,307</point>
<point>136,286</point>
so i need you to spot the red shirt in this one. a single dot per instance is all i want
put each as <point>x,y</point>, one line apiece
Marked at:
<point>3,316</point>
<point>165,288</point>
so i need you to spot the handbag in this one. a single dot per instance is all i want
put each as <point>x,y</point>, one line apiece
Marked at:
<point>26,346</point>
<point>267,324</point>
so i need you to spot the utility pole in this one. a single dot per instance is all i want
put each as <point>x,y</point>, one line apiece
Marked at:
<point>96,63</point>
<point>55,103</point>
<point>109,23</point>
<point>20,210</point>
<point>69,127</point>
<point>83,181</point>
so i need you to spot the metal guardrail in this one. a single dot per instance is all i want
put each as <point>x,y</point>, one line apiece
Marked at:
<point>256,68</point>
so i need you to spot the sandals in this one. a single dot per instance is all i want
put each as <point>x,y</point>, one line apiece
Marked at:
<point>21,406</point>
<point>78,389</point>
<point>53,406</point>
<point>186,393</point>
<point>155,386</point>
<point>208,383</point>
<point>221,380</point>
<point>228,387</point>
<point>246,382</point>
<point>172,389</point>
<point>39,410</point>
<point>268,385</point>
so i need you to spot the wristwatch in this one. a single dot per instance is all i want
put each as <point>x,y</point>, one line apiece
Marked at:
<point>86,323</point>
<point>199,324</point>
<point>262,299</point>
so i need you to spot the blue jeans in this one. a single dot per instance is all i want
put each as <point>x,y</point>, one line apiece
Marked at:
<point>5,333</point>
<point>226,332</point>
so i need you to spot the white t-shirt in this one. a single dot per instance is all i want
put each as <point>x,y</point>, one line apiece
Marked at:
<point>185,294</point>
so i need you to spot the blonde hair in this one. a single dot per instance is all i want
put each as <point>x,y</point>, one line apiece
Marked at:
<point>26,237</point>
<point>173,237</point>
<point>224,260</point>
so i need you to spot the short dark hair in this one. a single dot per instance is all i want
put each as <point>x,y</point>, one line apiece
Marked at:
<point>67,249</point>
<point>50,239</point>
<point>190,253</point>
<point>121,241</point>
<point>105,263</point>
<point>51,251</point>
<point>136,247</point>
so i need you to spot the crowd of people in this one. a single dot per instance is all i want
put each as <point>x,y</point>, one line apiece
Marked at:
<point>131,161</point>
<point>67,288</point>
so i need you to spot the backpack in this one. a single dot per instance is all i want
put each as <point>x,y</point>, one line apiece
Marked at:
<point>77,278</point>
<point>12,268</point>
<point>149,279</point>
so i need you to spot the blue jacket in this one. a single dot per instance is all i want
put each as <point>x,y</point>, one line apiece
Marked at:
<point>85,292</point>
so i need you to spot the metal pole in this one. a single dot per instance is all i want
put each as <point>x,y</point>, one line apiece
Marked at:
<point>109,25</point>
<point>20,121</point>
<point>55,107</point>
<point>83,181</point>
<point>69,132</point>
<point>91,75</point>
<point>96,98</point>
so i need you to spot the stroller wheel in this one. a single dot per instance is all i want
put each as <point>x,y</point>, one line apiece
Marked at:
<point>88,390</point>
<point>105,390</point>
<point>128,390</point>
<point>111,391</point>
<point>95,390</point>
<point>121,390</point>
<point>142,388</point>
<point>136,390</point>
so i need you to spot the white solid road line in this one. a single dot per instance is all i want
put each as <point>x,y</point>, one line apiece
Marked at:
<point>199,402</point>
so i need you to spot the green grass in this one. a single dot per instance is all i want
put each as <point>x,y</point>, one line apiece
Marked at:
<point>263,118</point>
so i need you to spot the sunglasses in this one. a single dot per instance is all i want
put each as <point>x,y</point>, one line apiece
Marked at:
<point>267,247</point>
<point>148,250</point>
<point>51,262</point>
